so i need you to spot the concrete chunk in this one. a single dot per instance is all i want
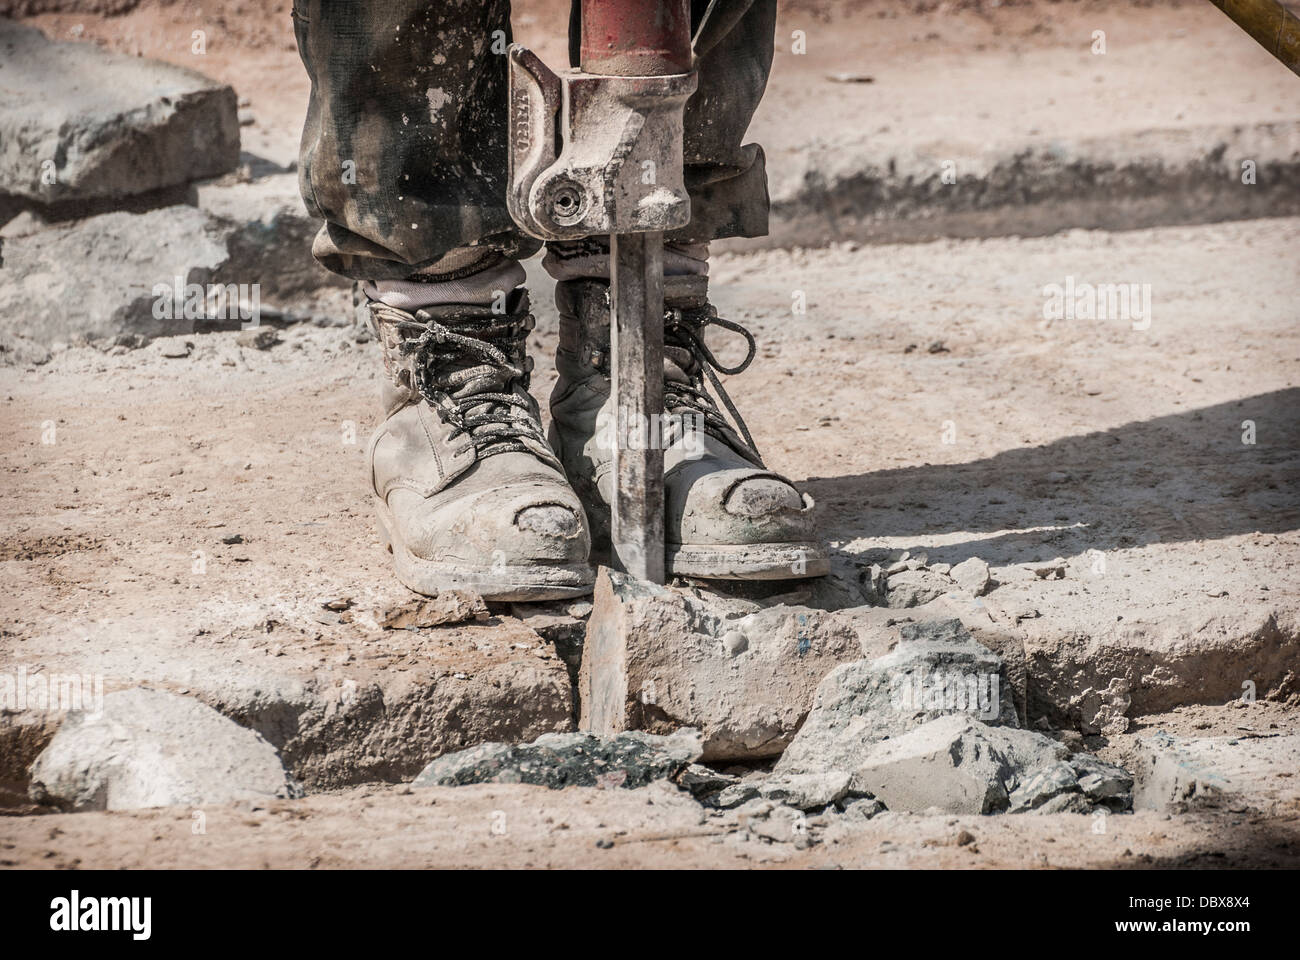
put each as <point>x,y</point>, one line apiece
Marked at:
<point>806,791</point>
<point>957,765</point>
<point>97,278</point>
<point>147,748</point>
<point>658,659</point>
<point>937,669</point>
<point>105,125</point>
<point>1043,786</point>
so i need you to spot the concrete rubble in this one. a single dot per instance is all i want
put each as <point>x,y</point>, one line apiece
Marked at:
<point>557,760</point>
<point>936,668</point>
<point>657,658</point>
<point>112,169</point>
<point>922,728</point>
<point>148,748</point>
<point>105,125</point>
<point>1249,771</point>
<point>130,266</point>
<point>925,727</point>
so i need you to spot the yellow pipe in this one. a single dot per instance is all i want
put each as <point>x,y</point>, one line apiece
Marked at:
<point>1274,26</point>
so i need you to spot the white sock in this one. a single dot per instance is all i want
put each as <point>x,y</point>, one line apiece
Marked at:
<point>484,287</point>
<point>581,258</point>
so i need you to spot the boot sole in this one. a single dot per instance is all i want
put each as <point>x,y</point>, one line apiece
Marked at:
<point>749,561</point>
<point>711,561</point>
<point>509,582</point>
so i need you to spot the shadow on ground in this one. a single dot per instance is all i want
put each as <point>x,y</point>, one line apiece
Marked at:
<point>1186,476</point>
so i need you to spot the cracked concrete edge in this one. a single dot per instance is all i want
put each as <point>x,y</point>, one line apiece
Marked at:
<point>1134,179</point>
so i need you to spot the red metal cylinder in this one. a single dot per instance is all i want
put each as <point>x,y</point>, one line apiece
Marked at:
<point>636,38</point>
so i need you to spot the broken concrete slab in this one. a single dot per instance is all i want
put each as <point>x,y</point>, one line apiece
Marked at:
<point>149,748</point>
<point>915,587</point>
<point>1044,786</point>
<point>657,658</point>
<point>972,575</point>
<point>558,760</point>
<point>128,268</point>
<point>937,668</point>
<point>806,791</point>
<point>1177,774</point>
<point>105,124</point>
<point>1103,783</point>
<point>955,764</point>
<point>271,239</point>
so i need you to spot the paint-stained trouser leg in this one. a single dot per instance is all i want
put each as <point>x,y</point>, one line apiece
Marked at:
<point>404,148</point>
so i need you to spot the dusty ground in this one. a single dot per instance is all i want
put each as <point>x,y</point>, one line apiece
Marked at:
<point>659,827</point>
<point>922,399</point>
<point>1070,436</point>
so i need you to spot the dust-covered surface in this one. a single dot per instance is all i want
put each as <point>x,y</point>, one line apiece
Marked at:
<point>194,515</point>
<point>1101,484</point>
<point>518,826</point>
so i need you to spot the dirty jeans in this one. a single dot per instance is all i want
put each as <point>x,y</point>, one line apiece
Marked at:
<point>404,147</point>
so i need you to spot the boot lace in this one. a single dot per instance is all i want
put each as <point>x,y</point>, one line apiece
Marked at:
<point>474,372</point>
<point>684,332</point>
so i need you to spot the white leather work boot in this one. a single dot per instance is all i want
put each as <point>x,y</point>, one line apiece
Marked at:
<point>726,515</point>
<point>468,493</point>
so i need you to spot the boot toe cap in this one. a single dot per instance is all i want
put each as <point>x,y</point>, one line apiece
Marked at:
<point>527,524</point>
<point>739,506</point>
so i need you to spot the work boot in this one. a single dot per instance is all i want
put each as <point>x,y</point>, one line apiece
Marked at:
<point>726,516</point>
<point>468,493</point>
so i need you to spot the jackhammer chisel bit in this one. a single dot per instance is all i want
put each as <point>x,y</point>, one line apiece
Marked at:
<point>597,150</point>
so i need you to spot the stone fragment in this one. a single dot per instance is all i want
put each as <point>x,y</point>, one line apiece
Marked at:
<point>972,575</point>
<point>103,124</point>
<point>915,588</point>
<point>658,658</point>
<point>1103,711</point>
<point>1042,786</point>
<point>141,274</point>
<point>175,348</point>
<point>271,234</point>
<point>1103,783</point>
<point>773,821</point>
<point>806,791</point>
<point>1051,570</point>
<point>701,780</point>
<point>862,809</point>
<point>148,748</point>
<point>732,796</point>
<point>953,764</point>
<point>937,668</point>
<point>258,338</point>
<point>449,606</point>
